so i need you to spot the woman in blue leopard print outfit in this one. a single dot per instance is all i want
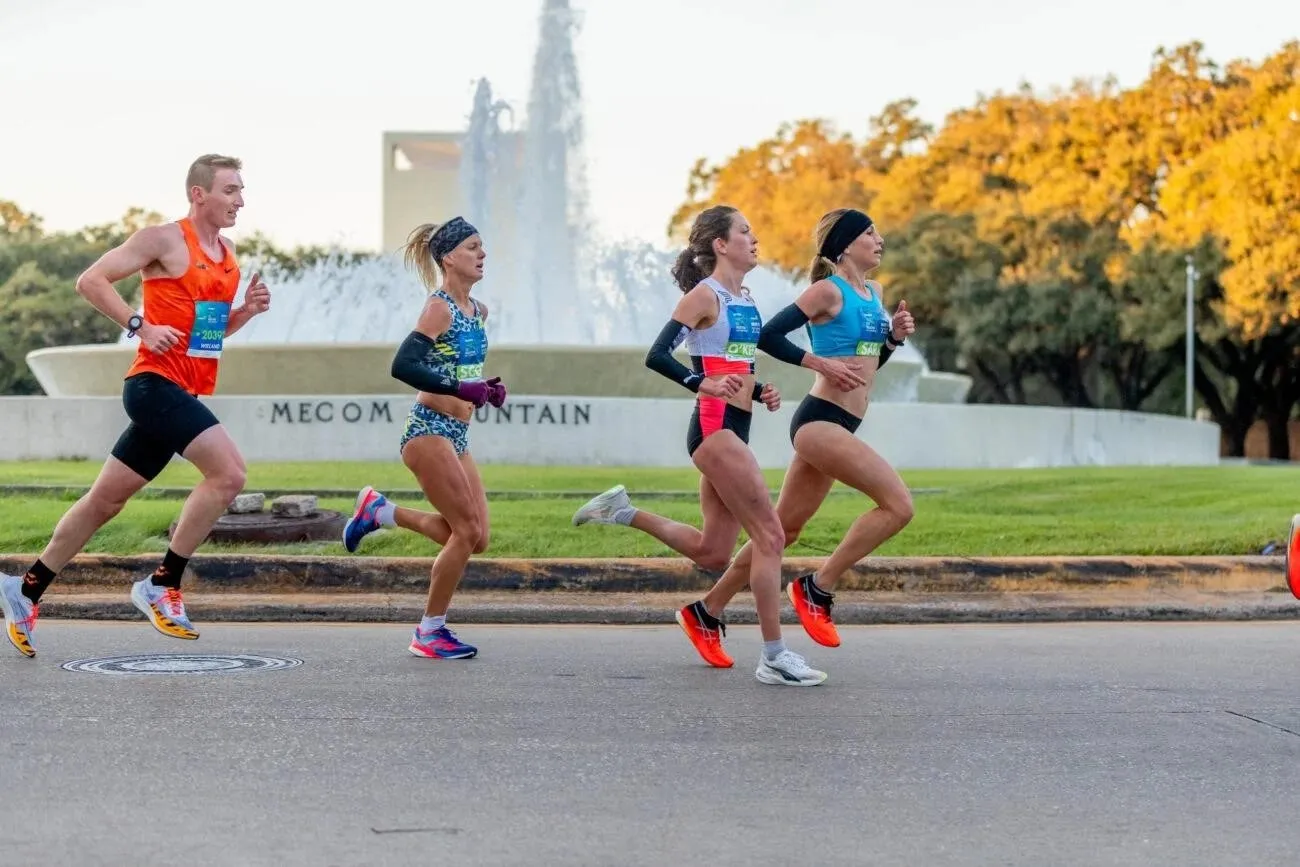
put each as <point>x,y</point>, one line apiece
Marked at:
<point>443,359</point>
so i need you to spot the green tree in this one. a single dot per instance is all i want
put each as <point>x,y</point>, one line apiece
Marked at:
<point>41,310</point>
<point>263,251</point>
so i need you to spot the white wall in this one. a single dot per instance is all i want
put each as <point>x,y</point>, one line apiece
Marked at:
<point>628,432</point>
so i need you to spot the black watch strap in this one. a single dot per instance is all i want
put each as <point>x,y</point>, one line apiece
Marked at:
<point>133,325</point>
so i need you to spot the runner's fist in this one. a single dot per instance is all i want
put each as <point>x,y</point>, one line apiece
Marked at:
<point>257,299</point>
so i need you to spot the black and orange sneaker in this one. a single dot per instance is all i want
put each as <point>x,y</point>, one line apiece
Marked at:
<point>705,632</point>
<point>813,605</point>
<point>1293,557</point>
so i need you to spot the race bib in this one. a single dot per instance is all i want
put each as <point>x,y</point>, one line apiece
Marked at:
<point>209,331</point>
<point>742,338</point>
<point>471,351</point>
<point>873,329</point>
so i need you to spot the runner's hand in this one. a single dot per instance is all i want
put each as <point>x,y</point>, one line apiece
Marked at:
<point>770,397</point>
<point>727,387</point>
<point>840,374</point>
<point>159,338</point>
<point>257,298</point>
<point>496,391</point>
<point>902,324</point>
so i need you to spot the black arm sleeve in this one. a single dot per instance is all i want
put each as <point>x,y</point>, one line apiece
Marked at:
<point>885,352</point>
<point>409,367</point>
<point>773,340</point>
<point>660,358</point>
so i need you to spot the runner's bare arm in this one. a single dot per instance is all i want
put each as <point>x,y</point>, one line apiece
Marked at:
<point>142,249</point>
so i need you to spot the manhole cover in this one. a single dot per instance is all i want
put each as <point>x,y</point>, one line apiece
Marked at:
<point>182,663</point>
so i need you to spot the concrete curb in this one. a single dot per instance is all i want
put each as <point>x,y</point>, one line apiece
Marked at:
<point>916,575</point>
<point>658,609</point>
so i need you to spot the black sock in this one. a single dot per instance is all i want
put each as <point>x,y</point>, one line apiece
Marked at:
<point>36,580</point>
<point>705,617</point>
<point>170,572</point>
<point>818,594</point>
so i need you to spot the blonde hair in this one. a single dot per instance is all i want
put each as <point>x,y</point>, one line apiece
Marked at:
<point>820,268</point>
<point>203,172</point>
<point>418,257</point>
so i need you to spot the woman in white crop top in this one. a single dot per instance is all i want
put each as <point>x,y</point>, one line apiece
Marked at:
<point>721,326</point>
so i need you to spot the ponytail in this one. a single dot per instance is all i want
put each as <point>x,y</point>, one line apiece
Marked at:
<point>688,270</point>
<point>820,268</point>
<point>419,259</point>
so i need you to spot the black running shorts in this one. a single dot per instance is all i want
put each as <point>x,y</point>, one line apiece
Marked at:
<point>816,409</point>
<point>165,419</point>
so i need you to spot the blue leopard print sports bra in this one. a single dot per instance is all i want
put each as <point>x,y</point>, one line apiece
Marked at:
<point>460,350</point>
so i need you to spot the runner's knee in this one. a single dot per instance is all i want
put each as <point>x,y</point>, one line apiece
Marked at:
<point>470,529</point>
<point>229,481</point>
<point>482,544</point>
<point>768,536</point>
<point>900,509</point>
<point>714,559</point>
<point>104,507</point>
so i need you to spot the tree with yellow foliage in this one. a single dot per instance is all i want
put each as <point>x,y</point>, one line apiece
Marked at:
<point>1040,238</point>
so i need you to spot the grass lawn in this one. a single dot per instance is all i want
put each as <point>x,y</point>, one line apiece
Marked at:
<point>1176,511</point>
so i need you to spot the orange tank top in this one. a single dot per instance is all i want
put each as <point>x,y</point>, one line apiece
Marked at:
<point>197,304</point>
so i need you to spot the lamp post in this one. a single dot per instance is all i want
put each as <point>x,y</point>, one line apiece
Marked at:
<point>1191,333</point>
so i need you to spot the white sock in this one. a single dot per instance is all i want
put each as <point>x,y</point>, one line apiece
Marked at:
<point>387,515</point>
<point>773,649</point>
<point>428,624</point>
<point>625,515</point>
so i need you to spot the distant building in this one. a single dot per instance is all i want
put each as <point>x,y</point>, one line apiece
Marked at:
<point>422,185</point>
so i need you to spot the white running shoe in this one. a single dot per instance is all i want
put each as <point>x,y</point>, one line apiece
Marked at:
<point>788,669</point>
<point>164,607</point>
<point>601,509</point>
<point>20,614</point>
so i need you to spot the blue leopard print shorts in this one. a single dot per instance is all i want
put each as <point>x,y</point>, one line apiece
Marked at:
<point>424,422</point>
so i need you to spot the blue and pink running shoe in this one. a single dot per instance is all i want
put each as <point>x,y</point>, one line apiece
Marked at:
<point>440,644</point>
<point>365,520</point>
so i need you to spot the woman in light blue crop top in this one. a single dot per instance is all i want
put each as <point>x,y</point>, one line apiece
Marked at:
<point>852,335</point>
<point>721,326</point>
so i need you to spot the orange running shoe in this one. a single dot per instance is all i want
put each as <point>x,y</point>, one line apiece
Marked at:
<point>813,605</point>
<point>699,627</point>
<point>1293,558</point>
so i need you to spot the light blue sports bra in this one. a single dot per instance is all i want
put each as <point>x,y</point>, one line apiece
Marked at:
<point>860,328</point>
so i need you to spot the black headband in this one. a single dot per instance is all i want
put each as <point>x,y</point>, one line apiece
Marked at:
<point>449,236</point>
<point>846,230</point>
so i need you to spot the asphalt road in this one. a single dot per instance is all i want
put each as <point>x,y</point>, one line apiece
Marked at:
<point>1031,744</point>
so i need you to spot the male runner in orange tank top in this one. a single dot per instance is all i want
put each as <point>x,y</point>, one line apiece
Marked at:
<point>190,281</point>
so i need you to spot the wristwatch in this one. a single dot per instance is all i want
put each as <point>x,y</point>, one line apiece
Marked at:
<point>894,343</point>
<point>133,325</point>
